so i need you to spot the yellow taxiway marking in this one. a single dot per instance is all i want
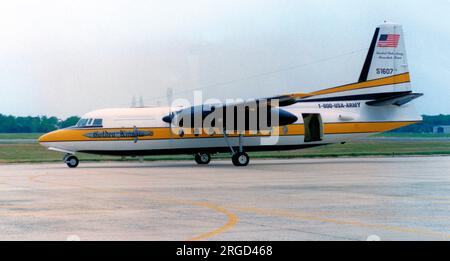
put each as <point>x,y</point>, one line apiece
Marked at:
<point>310,217</point>
<point>232,219</point>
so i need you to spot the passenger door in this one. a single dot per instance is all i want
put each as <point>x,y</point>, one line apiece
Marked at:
<point>313,127</point>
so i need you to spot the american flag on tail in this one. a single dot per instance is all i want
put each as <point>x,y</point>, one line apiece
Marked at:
<point>388,40</point>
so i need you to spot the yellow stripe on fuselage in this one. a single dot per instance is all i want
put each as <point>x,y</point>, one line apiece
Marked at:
<point>166,133</point>
<point>395,79</point>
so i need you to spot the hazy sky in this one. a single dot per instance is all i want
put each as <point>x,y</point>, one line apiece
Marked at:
<point>69,57</point>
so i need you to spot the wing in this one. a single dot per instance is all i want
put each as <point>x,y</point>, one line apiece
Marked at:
<point>256,107</point>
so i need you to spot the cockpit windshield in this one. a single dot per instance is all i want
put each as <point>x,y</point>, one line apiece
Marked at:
<point>89,123</point>
<point>82,122</point>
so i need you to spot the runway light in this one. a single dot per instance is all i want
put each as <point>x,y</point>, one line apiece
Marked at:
<point>73,238</point>
<point>373,238</point>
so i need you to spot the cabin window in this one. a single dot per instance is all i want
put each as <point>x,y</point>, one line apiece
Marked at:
<point>97,122</point>
<point>89,123</point>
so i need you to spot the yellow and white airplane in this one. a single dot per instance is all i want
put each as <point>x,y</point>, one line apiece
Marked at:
<point>379,101</point>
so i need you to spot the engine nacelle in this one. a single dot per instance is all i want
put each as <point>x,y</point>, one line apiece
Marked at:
<point>232,118</point>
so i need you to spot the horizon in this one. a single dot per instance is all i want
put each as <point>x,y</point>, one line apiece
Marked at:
<point>62,58</point>
<point>79,116</point>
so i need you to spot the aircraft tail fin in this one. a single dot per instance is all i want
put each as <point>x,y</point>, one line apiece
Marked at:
<point>385,72</point>
<point>387,54</point>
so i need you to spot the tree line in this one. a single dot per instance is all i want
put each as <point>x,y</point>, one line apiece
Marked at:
<point>37,124</point>
<point>427,124</point>
<point>41,124</point>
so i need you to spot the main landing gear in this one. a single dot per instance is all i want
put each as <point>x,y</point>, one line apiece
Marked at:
<point>239,158</point>
<point>71,161</point>
<point>202,158</point>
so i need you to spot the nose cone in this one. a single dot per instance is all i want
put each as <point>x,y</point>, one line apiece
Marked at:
<point>47,137</point>
<point>43,138</point>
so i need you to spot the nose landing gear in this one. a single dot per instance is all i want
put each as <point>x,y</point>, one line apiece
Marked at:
<point>71,161</point>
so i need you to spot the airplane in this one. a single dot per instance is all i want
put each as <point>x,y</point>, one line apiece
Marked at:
<point>379,101</point>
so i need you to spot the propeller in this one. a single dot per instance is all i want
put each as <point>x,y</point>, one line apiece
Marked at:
<point>169,96</point>
<point>136,134</point>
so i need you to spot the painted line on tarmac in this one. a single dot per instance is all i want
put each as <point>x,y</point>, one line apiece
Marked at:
<point>232,219</point>
<point>309,217</point>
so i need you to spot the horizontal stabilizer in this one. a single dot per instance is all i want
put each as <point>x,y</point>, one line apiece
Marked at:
<point>399,99</point>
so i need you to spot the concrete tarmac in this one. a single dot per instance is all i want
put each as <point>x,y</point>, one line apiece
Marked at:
<point>402,198</point>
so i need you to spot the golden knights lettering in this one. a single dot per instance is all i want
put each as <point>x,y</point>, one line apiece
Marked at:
<point>117,134</point>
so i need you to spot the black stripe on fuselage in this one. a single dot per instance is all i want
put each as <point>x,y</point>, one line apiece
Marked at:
<point>212,137</point>
<point>360,97</point>
<point>196,150</point>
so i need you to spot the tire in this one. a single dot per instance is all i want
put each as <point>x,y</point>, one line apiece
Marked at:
<point>202,158</point>
<point>72,161</point>
<point>240,159</point>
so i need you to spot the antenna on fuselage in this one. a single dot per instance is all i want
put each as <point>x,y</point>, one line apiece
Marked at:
<point>133,102</point>
<point>169,96</point>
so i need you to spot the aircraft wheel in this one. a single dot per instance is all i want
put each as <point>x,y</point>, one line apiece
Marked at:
<point>72,161</point>
<point>240,159</point>
<point>202,158</point>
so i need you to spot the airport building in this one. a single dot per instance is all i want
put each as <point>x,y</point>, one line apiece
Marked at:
<point>441,129</point>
